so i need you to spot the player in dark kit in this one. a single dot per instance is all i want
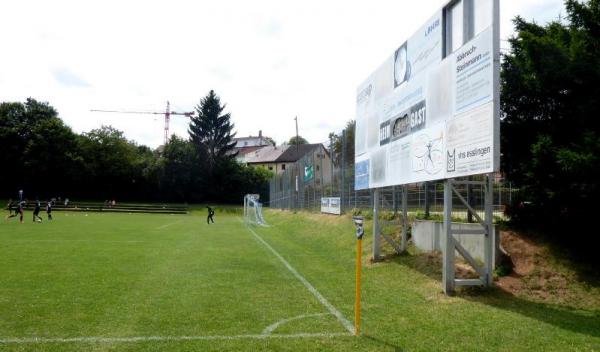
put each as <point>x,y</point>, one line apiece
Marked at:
<point>49,209</point>
<point>18,211</point>
<point>10,207</point>
<point>36,211</point>
<point>209,218</point>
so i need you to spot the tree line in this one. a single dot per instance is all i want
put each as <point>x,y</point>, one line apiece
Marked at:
<point>48,159</point>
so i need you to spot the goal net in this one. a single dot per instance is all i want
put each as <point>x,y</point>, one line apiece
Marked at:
<point>253,210</point>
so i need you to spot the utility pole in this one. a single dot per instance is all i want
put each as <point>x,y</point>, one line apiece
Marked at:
<point>297,152</point>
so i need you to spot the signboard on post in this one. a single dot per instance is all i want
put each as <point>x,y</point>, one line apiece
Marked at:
<point>431,110</point>
<point>309,173</point>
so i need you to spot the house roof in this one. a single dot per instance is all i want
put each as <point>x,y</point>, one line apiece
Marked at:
<point>280,154</point>
<point>293,154</point>
<point>268,154</point>
<point>246,150</point>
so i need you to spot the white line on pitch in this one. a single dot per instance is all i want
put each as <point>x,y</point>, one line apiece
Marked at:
<point>167,225</point>
<point>97,339</point>
<point>269,329</point>
<point>307,284</point>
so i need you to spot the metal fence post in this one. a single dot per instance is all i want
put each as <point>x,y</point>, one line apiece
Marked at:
<point>376,233</point>
<point>342,171</point>
<point>404,243</point>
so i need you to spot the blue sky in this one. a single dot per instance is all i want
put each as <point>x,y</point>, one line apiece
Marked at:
<point>268,60</point>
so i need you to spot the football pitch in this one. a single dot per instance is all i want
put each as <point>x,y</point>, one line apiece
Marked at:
<point>135,280</point>
<point>140,282</point>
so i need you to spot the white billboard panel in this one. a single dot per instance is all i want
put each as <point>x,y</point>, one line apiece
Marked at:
<point>430,111</point>
<point>331,205</point>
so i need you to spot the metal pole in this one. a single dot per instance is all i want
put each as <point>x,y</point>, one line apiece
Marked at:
<point>404,243</point>
<point>489,237</point>
<point>448,243</point>
<point>331,166</point>
<point>314,181</point>
<point>394,205</point>
<point>297,152</point>
<point>322,155</point>
<point>470,202</point>
<point>376,233</point>
<point>343,173</point>
<point>426,187</point>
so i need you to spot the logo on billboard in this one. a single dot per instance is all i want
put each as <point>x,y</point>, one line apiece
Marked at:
<point>451,161</point>
<point>401,126</point>
<point>418,116</point>
<point>428,156</point>
<point>401,65</point>
<point>384,133</point>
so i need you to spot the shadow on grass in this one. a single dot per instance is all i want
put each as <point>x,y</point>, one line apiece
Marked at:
<point>381,342</point>
<point>583,321</point>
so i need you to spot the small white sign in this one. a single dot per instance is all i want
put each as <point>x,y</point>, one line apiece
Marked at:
<point>331,205</point>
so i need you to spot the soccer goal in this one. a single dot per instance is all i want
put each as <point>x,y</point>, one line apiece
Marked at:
<point>253,210</point>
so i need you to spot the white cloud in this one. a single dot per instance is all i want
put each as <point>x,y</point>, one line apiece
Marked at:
<point>268,60</point>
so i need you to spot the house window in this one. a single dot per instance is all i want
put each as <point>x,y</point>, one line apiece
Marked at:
<point>282,166</point>
<point>317,167</point>
<point>271,168</point>
<point>245,144</point>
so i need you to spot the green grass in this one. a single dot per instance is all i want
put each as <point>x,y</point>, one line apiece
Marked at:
<point>140,275</point>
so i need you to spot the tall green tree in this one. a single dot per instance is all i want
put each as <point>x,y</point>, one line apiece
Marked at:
<point>211,130</point>
<point>343,142</point>
<point>299,139</point>
<point>39,150</point>
<point>179,170</point>
<point>550,128</point>
<point>109,160</point>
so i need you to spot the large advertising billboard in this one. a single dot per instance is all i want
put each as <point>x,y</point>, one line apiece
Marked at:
<point>430,111</point>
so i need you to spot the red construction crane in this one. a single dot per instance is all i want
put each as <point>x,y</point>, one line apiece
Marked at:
<point>167,114</point>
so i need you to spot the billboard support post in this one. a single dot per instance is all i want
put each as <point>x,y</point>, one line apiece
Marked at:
<point>376,229</point>
<point>427,205</point>
<point>448,243</point>
<point>489,238</point>
<point>404,243</point>
<point>451,244</point>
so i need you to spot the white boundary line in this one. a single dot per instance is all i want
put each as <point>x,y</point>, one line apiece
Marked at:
<point>96,339</point>
<point>269,329</point>
<point>307,284</point>
<point>167,225</point>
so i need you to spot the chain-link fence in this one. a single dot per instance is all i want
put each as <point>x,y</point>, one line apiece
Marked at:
<point>325,173</point>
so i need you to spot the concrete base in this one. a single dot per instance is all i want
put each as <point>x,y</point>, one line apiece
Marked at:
<point>428,236</point>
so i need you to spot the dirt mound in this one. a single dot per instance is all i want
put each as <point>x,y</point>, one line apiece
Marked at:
<point>535,275</point>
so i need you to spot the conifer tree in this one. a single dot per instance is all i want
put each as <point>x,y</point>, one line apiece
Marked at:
<point>211,131</point>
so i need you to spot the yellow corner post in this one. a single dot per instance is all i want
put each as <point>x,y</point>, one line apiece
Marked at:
<point>358,222</point>
<point>357,300</point>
